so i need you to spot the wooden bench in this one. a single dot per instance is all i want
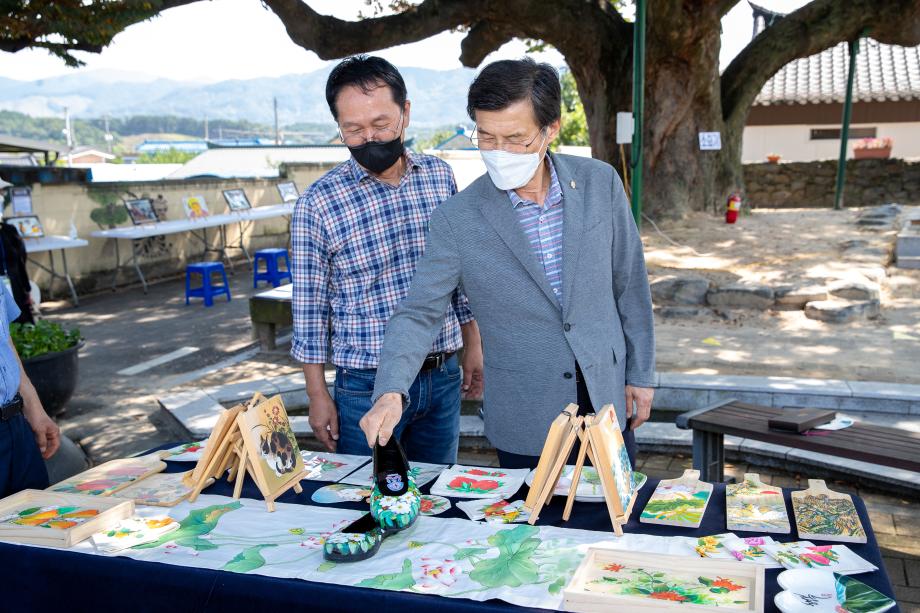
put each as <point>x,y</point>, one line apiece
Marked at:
<point>863,442</point>
<point>268,310</point>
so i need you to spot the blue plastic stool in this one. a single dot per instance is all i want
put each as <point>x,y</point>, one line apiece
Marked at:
<point>273,273</point>
<point>207,290</point>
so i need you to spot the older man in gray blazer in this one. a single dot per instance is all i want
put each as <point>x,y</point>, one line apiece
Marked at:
<point>549,256</point>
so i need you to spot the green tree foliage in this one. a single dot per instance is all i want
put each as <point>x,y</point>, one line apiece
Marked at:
<point>574,124</point>
<point>49,128</point>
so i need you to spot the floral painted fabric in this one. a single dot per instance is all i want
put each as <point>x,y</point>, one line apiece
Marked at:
<point>837,558</point>
<point>479,482</point>
<point>751,549</point>
<point>521,564</point>
<point>495,510</point>
<point>133,531</point>
<point>186,452</point>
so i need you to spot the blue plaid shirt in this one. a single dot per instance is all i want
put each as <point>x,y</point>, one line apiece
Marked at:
<point>543,227</point>
<point>356,241</point>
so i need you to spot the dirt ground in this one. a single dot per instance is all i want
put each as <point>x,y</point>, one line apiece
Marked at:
<point>777,247</point>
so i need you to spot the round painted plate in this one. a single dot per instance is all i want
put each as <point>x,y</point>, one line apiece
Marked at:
<point>815,589</point>
<point>434,505</point>
<point>589,487</point>
<point>340,492</point>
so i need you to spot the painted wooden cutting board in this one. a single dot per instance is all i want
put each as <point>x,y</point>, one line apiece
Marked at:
<point>822,514</point>
<point>754,506</point>
<point>678,502</point>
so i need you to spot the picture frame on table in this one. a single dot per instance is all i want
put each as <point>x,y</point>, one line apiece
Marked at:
<point>236,200</point>
<point>288,191</point>
<point>141,211</point>
<point>28,226</point>
<point>21,200</point>
<point>195,208</point>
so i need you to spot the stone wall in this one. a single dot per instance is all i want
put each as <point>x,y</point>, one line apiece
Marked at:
<point>811,184</point>
<point>92,267</point>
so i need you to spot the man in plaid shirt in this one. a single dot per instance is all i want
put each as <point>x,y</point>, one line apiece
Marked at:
<point>357,234</point>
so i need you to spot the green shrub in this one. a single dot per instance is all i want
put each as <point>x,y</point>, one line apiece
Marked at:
<point>44,337</point>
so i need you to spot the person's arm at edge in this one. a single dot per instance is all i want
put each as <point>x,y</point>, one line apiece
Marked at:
<point>412,329</point>
<point>634,304</point>
<point>47,434</point>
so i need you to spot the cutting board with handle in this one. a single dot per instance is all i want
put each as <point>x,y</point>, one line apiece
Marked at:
<point>678,502</point>
<point>822,514</point>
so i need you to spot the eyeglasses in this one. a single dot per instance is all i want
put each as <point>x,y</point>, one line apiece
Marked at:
<point>490,143</point>
<point>356,138</point>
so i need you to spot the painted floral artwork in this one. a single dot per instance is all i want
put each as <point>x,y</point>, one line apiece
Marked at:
<point>478,482</point>
<point>755,507</point>
<point>679,587</point>
<point>58,517</point>
<point>186,452</point>
<point>713,546</point>
<point>340,492</point>
<point>421,472</point>
<point>433,505</point>
<point>270,436</point>
<point>106,478</point>
<point>323,466</point>
<point>821,515</point>
<point>495,510</point>
<point>838,558</point>
<point>751,549</point>
<point>133,531</point>
<point>160,489</point>
<point>826,592</point>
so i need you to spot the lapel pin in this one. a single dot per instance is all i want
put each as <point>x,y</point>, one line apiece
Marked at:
<point>572,183</point>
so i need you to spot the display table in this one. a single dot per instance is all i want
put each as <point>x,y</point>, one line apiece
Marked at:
<point>45,579</point>
<point>52,244</point>
<point>198,228</point>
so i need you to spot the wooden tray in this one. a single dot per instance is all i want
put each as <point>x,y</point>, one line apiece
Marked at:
<point>108,478</point>
<point>615,580</point>
<point>54,531</point>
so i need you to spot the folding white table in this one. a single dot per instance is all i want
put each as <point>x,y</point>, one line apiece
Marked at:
<point>50,244</point>
<point>197,227</point>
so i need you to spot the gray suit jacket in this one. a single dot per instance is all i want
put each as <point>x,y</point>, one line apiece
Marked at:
<point>530,343</point>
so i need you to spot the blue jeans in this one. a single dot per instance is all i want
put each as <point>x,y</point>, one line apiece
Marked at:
<point>429,430</point>
<point>21,463</point>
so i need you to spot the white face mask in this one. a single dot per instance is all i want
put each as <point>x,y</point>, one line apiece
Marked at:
<point>511,170</point>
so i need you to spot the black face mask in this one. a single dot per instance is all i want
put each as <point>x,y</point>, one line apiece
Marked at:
<point>377,157</point>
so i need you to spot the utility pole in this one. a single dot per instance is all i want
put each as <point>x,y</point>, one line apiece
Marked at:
<point>68,134</point>
<point>275,104</point>
<point>108,135</point>
<point>638,109</point>
<point>205,127</point>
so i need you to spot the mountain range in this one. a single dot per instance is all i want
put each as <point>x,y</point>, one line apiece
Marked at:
<point>438,97</point>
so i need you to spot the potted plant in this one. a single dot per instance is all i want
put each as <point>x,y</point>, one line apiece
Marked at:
<point>49,357</point>
<point>773,158</point>
<point>877,148</point>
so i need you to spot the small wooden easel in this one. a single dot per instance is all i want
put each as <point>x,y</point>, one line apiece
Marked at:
<point>601,442</point>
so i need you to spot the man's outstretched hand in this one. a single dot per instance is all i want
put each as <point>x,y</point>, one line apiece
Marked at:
<point>382,419</point>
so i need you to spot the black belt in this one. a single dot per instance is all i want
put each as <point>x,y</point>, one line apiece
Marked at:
<point>11,409</point>
<point>435,360</point>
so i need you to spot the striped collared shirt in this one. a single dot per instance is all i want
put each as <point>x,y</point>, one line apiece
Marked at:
<point>543,227</point>
<point>356,241</point>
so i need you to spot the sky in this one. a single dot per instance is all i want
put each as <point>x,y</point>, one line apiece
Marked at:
<point>240,39</point>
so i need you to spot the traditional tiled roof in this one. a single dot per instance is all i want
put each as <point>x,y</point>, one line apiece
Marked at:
<point>883,73</point>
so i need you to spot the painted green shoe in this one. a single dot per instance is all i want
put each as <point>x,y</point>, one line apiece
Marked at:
<point>355,542</point>
<point>395,501</point>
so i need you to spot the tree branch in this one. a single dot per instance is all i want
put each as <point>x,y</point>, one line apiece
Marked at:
<point>813,28</point>
<point>482,39</point>
<point>725,6</point>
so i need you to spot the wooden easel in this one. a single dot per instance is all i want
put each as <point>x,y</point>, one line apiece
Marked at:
<point>598,435</point>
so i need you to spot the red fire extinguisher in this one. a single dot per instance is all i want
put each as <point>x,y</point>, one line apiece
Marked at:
<point>734,205</point>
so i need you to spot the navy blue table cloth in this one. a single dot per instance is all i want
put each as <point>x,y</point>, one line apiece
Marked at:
<point>34,579</point>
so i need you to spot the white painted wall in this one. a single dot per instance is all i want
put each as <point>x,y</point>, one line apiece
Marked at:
<point>794,145</point>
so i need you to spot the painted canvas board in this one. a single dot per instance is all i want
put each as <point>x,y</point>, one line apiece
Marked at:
<point>495,510</point>
<point>678,502</point>
<point>236,200</point>
<point>610,452</point>
<point>755,506</point>
<point>288,191</point>
<point>324,466</point>
<point>460,481</point>
<point>141,211</point>
<point>161,490</point>
<point>56,519</point>
<point>28,226</point>
<point>837,558</point>
<point>270,444</point>
<point>622,580</point>
<point>133,531</point>
<point>824,515</point>
<point>108,478</point>
<point>822,591</point>
<point>421,472</point>
<point>186,452</point>
<point>195,207</point>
